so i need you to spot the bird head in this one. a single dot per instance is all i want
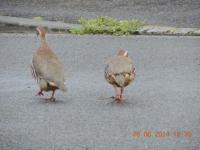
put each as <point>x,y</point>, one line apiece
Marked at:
<point>122,52</point>
<point>41,31</point>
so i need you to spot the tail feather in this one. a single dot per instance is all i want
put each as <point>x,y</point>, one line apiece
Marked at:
<point>62,86</point>
<point>122,80</point>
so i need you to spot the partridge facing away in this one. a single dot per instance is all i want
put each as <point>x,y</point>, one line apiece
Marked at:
<point>120,72</point>
<point>46,68</point>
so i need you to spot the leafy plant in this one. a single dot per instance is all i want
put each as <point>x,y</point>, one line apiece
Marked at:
<point>107,25</point>
<point>38,18</point>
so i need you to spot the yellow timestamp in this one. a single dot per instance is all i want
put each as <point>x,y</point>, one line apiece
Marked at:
<point>161,134</point>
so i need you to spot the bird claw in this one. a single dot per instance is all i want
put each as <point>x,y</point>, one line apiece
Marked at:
<point>118,99</point>
<point>51,99</point>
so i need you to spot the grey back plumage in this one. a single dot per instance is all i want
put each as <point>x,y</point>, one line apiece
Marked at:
<point>120,71</point>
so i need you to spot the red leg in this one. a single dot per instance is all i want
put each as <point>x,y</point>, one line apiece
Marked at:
<point>117,94</point>
<point>121,96</point>
<point>52,96</point>
<point>40,93</point>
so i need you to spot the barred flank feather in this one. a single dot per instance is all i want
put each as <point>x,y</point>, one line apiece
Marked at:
<point>34,75</point>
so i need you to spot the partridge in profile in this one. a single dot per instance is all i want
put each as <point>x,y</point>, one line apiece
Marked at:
<point>119,72</point>
<point>46,68</point>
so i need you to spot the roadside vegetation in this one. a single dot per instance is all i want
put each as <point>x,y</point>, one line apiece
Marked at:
<point>38,18</point>
<point>107,25</point>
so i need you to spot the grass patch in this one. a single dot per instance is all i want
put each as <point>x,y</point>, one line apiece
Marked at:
<point>38,18</point>
<point>107,25</point>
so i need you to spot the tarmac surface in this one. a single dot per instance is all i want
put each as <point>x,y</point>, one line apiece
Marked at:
<point>177,13</point>
<point>164,97</point>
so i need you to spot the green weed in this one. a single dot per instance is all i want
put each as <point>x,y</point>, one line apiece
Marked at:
<point>107,25</point>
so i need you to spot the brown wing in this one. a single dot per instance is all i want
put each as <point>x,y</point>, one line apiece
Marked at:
<point>48,67</point>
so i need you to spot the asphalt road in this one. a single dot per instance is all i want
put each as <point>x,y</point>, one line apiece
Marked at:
<point>178,13</point>
<point>164,97</point>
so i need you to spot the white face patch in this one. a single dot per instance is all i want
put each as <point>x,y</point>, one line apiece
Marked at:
<point>52,83</point>
<point>125,54</point>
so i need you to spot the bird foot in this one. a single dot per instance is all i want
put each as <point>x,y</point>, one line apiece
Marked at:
<point>51,99</point>
<point>40,93</point>
<point>118,98</point>
<point>122,98</point>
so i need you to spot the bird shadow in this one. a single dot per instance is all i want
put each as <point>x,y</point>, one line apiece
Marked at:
<point>46,101</point>
<point>111,101</point>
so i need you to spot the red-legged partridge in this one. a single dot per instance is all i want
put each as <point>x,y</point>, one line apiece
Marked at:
<point>46,67</point>
<point>119,72</point>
